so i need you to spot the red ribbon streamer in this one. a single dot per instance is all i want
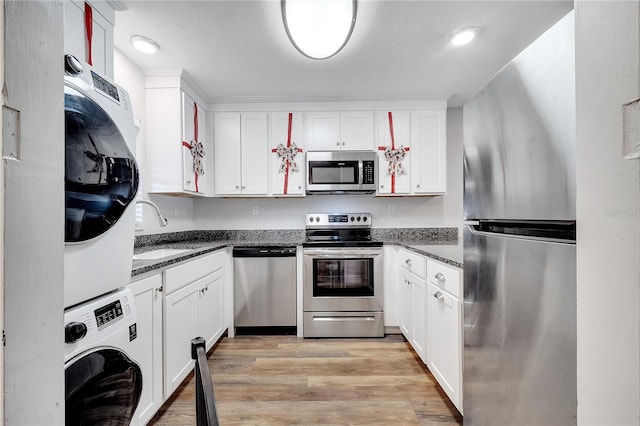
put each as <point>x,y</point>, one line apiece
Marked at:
<point>287,162</point>
<point>88,27</point>
<point>195,138</point>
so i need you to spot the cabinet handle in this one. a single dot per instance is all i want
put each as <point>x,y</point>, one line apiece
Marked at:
<point>159,289</point>
<point>237,187</point>
<point>418,186</point>
<point>439,296</point>
<point>338,143</point>
<point>440,276</point>
<point>299,187</point>
<point>381,186</point>
<point>244,187</point>
<point>343,143</point>
<point>408,262</point>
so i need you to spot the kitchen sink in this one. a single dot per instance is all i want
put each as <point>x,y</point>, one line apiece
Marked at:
<point>158,254</point>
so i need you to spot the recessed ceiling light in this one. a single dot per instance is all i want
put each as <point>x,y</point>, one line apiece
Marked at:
<point>319,28</point>
<point>144,44</point>
<point>463,36</point>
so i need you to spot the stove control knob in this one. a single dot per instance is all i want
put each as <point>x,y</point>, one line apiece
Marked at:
<point>74,331</point>
<point>359,218</point>
<point>318,219</point>
<point>352,218</point>
<point>311,219</point>
<point>364,219</point>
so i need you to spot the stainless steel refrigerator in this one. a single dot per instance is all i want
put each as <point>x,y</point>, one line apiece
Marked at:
<point>519,240</point>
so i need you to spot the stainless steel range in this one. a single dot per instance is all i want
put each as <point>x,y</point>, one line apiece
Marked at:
<point>342,277</point>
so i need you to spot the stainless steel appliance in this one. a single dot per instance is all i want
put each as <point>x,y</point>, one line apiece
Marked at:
<point>342,290</point>
<point>341,172</point>
<point>265,290</point>
<point>519,244</point>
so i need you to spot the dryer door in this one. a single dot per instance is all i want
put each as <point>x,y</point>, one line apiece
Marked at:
<point>101,175</point>
<point>102,387</point>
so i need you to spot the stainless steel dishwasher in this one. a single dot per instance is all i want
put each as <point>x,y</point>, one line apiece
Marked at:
<point>265,290</point>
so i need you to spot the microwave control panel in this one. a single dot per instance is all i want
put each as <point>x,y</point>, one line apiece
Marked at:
<point>368,172</point>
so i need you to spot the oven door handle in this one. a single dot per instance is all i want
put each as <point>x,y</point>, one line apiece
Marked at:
<point>341,252</point>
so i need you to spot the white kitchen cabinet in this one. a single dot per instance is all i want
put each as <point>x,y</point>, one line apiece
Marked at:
<point>429,152</point>
<point>444,355</point>
<point>394,173</point>
<point>283,179</point>
<point>335,131</point>
<point>147,347</point>
<point>176,122</point>
<point>193,307</point>
<point>76,41</point>
<point>422,170</point>
<point>413,296</point>
<point>241,142</point>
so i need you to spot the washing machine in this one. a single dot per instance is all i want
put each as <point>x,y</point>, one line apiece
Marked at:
<point>103,383</point>
<point>101,182</point>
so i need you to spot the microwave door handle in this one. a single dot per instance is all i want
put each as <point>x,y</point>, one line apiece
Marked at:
<point>360,173</point>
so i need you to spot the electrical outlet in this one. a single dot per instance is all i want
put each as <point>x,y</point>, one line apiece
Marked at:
<point>255,210</point>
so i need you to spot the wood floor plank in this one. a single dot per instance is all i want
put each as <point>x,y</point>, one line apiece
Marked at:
<point>285,380</point>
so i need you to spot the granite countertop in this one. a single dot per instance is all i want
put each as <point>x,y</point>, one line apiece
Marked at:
<point>435,243</point>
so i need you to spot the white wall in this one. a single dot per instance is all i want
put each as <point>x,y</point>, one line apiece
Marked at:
<point>178,210</point>
<point>33,206</point>
<point>288,213</point>
<point>608,203</point>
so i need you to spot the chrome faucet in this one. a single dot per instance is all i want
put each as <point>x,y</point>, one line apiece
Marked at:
<point>161,219</point>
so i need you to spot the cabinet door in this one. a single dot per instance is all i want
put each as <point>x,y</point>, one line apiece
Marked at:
<point>356,131</point>
<point>388,182</point>
<point>323,131</point>
<point>147,348</point>
<point>180,326</point>
<point>419,298</point>
<point>227,172</point>
<point>406,308</point>
<point>287,180</point>
<point>255,154</point>
<point>193,128</point>
<point>210,308</point>
<point>445,342</point>
<point>75,40</point>
<point>429,152</point>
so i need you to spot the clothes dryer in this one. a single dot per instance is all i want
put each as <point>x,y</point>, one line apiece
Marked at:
<point>103,383</point>
<point>101,181</point>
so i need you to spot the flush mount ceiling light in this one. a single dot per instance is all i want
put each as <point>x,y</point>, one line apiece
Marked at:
<point>463,36</point>
<point>319,28</point>
<point>144,44</point>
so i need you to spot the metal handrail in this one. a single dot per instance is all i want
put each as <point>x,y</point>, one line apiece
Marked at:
<point>206,414</point>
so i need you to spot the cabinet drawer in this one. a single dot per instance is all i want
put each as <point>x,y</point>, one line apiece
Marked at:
<point>444,276</point>
<point>413,262</point>
<point>187,272</point>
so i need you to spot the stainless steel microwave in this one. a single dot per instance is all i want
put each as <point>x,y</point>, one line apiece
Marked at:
<point>341,172</point>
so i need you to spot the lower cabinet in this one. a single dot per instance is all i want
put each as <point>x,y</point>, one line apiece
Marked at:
<point>147,347</point>
<point>444,334</point>
<point>413,319</point>
<point>193,307</point>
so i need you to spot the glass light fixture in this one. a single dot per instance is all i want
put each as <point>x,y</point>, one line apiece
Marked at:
<point>319,28</point>
<point>463,36</point>
<point>144,44</point>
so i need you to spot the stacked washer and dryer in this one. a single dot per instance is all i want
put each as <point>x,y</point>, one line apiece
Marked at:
<point>102,378</point>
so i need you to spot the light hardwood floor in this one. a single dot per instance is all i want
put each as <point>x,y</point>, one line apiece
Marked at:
<point>282,380</point>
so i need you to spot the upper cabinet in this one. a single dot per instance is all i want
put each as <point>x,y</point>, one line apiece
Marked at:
<point>179,154</point>
<point>88,33</point>
<point>412,152</point>
<point>241,153</point>
<point>335,131</point>
<point>287,162</point>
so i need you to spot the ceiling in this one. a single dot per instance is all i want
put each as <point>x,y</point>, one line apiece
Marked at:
<point>238,51</point>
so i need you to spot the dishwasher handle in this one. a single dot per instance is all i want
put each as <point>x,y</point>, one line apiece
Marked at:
<point>264,251</point>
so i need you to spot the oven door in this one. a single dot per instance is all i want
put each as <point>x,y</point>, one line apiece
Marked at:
<point>342,279</point>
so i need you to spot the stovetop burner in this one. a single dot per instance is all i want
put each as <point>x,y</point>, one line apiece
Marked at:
<point>339,230</point>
